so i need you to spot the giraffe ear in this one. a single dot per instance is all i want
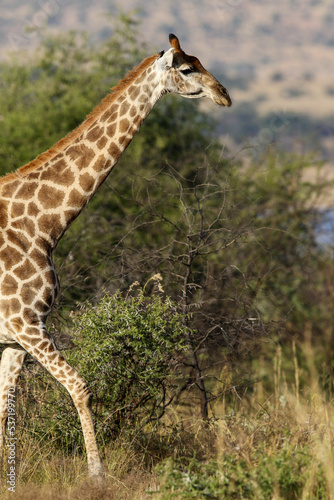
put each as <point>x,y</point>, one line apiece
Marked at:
<point>174,41</point>
<point>166,60</point>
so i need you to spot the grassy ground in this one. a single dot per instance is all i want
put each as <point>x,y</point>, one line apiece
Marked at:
<point>277,443</point>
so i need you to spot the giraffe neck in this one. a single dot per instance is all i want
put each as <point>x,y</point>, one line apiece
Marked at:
<point>54,188</point>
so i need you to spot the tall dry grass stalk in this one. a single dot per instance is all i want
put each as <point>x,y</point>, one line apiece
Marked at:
<point>317,414</point>
<point>295,416</point>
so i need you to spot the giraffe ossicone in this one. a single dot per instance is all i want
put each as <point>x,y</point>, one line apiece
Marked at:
<point>39,201</point>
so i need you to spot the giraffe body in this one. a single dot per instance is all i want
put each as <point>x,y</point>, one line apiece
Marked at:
<point>39,202</point>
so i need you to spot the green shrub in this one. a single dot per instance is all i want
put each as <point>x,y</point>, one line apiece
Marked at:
<point>127,350</point>
<point>284,473</point>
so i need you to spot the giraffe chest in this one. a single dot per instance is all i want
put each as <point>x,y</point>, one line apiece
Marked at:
<point>28,283</point>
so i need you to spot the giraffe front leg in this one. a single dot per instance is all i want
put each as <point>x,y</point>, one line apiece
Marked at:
<point>10,367</point>
<point>37,342</point>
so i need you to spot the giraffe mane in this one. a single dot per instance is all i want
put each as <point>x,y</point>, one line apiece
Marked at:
<point>90,119</point>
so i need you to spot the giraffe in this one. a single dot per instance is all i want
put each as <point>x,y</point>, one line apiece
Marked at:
<point>40,200</point>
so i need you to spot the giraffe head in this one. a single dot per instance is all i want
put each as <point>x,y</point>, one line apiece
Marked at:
<point>185,75</point>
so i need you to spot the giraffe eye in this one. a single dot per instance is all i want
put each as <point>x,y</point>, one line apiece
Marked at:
<point>186,71</point>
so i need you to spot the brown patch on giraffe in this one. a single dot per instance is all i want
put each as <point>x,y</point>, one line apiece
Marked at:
<point>86,182</point>
<point>34,331</point>
<point>102,142</point>
<point>25,271</point>
<point>30,317</point>
<point>2,240</point>
<point>137,120</point>
<point>81,154</point>
<point>113,118</point>
<point>133,111</point>
<point>41,306</point>
<point>42,243</point>
<point>70,371</point>
<point>48,296</point>
<point>27,294</point>
<point>124,125</point>
<point>134,92</point>
<point>10,307</point>
<point>44,345</point>
<point>114,151</point>
<point>122,139</point>
<point>50,197</point>
<point>17,323</point>
<point>105,116</point>
<point>95,134</point>
<point>29,290</point>
<point>151,77</point>
<point>50,277</point>
<point>9,327</point>
<point>112,111</point>
<point>40,259</point>
<point>25,224</point>
<point>59,163</point>
<point>59,173</point>
<point>34,341</point>
<point>9,286</point>
<point>132,130</point>
<point>17,209</point>
<point>66,178</point>
<point>3,211</point>
<point>74,151</point>
<point>33,209</point>
<point>70,215</point>
<point>9,188</point>
<point>124,108</point>
<point>24,340</point>
<point>10,256</point>
<point>100,163</point>
<point>76,199</point>
<point>36,283</point>
<point>18,239</point>
<point>50,224</point>
<point>36,175</point>
<point>111,130</point>
<point>85,160</point>
<point>26,191</point>
<point>143,98</point>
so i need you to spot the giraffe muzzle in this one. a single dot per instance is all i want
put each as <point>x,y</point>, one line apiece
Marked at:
<point>223,101</point>
<point>222,97</point>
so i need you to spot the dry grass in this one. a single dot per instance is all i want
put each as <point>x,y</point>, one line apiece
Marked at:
<point>46,474</point>
<point>278,443</point>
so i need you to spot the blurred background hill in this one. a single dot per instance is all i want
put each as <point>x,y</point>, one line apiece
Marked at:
<point>276,59</point>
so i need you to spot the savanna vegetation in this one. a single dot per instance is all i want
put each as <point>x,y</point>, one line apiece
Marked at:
<point>197,301</point>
